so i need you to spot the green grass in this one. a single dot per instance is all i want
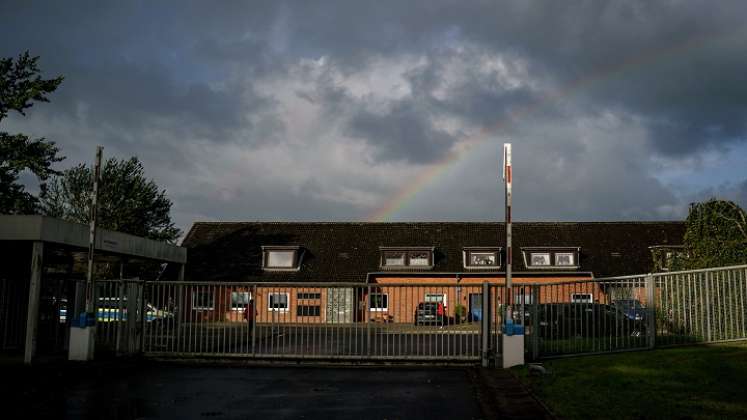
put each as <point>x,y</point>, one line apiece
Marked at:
<point>685,382</point>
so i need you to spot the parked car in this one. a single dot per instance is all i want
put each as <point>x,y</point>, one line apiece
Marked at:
<point>573,320</point>
<point>107,310</point>
<point>632,308</point>
<point>430,313</point>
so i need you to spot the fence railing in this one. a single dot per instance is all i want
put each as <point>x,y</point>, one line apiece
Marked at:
<point>317,320</point>
<point>436,321</point>
<point>635,312</point>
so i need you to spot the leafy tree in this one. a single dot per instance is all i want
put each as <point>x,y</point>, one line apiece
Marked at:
<point>128,201</point>
<point>716,235</point>
<point>21,86</point>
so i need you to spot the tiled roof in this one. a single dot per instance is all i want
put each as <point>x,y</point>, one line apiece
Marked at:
<point>346,251</point>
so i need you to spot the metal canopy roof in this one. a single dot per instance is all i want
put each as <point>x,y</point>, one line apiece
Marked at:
<point>53,230</point>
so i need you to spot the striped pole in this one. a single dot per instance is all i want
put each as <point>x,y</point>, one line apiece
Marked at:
<point>90,307</point>
<point>509,251</point>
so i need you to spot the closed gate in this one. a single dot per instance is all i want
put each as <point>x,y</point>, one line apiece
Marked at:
<point>318,321</point>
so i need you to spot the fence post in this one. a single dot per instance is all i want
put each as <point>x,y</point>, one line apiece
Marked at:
<point>143,317</point>
<point>534,318</point>
<point>651,311</point>
<point>485,324</point>
<point>254,320</point>
<point>708,304</point>
<point>368,321</point>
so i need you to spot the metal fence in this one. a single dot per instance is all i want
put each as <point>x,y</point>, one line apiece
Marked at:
<point>633,312</point>
<point>436,321</point>
<point>318,320</point>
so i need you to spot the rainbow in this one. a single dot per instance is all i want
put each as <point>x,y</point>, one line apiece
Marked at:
<point>433,171</point>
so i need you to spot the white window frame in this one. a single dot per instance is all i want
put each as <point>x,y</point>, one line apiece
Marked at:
<point>378,309</point>
<point>467,258</point>
<point>533,253</point>
<point>523,297</point>
<point>384,259</point>
<point>297,257</point>
<point>428,258</point>
<point>276,309</point>
<point>573,259</point>
<point>196,293</point>
<point>248,299</point>
<point>588,297</point>
<point>407,253</point>
<point>552,253</point>
<point>443,296</point>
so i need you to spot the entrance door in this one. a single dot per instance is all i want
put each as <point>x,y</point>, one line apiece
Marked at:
<point>475,306</point>
<point>339,305</point>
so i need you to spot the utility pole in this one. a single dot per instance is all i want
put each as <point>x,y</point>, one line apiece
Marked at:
<point>509,250</point>
<point>83,331</point>
<point>90,307</point>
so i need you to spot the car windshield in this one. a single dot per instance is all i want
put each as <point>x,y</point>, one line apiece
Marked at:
<point>629,304</point>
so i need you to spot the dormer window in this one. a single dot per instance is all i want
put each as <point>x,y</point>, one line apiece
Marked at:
<point>481,257</point>
<point>281,258</point>
<point>551,258</point>
<point>412,257</point>
<point>539,258</point>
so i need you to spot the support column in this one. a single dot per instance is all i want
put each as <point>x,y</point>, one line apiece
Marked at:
<point>32,317</point>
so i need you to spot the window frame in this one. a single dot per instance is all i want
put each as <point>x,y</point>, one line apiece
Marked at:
<point>528,252</point>
<point>318,310</point>
<point>467,257</point>
<point>248,300</point>
<point>202,292</point>
<point>277,309</point>
<point>542,253</point>
<point>305,295</point>
<point>408,254</point>
<point>555,259</point>
<point>378,309</point>
<point>590,297</point>
<point>297,257</point>
<point>444,296</point>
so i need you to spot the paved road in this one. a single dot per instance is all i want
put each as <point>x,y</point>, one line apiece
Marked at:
<point>233,392</point>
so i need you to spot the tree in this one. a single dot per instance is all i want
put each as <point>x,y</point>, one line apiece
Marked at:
<point>20,86</point>
<point>715,236</point>
<point>128,201</point>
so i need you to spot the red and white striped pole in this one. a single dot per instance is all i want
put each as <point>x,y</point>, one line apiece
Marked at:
<point>509,251</point>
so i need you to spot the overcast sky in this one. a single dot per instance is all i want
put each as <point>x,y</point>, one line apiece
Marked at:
<point>617,110</point>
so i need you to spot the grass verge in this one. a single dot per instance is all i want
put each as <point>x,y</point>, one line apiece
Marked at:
<point>686,382</point>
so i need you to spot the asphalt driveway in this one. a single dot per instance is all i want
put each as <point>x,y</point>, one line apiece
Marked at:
<point>144,391</point>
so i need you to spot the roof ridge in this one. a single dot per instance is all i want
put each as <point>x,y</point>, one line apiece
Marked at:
<point>543,222</point>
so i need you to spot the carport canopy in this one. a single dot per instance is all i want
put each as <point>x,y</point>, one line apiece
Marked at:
<point>41,230</point>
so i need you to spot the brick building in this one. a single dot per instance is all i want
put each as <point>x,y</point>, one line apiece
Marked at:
<point>370,267</point>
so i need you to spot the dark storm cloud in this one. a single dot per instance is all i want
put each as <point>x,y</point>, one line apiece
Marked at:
<point>403,133</point>
<point>603,86</point>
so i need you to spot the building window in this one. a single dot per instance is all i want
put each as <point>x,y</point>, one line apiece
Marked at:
<point>309,295</point>
<point>394,259</point>
<point>480,257</point>
<point>399,258</point>
<point>436,297</point>
<point>202,300</point>
<point>582,298</point>
<point>277,301</point>
<point>539,258</point>
<point>308,310</point>
<point>523,298</point>
<point>239,301</point>
<point>378,302</point>
<point>281,258</point>
<point>565,258</point>
<point>551,257</point>
<point>420,258</point>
